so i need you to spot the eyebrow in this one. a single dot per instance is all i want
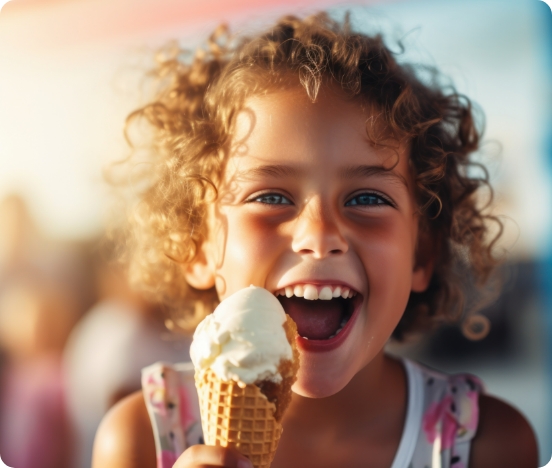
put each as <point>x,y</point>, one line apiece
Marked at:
<point>365,170</point>
<point>273,170</point>
<point>350,172</point>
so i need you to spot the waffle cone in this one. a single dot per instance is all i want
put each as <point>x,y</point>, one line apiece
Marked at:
<point>248,417</point>
<point>243,418</point>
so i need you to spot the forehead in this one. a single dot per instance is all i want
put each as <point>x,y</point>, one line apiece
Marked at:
<point>285,127</point>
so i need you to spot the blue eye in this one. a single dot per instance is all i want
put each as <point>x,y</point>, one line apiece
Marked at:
<point>367,199</point>
<point>272,199</point>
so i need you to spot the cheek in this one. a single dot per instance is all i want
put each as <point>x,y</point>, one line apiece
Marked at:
<point>250,238</point>
<point>250,247</point>
<point>387,255</point>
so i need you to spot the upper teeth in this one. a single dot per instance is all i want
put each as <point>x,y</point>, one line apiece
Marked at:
<point>312,292</point>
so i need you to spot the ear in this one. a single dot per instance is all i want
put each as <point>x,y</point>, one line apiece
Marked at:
<point>198,273</point>
<point>424,263</point>
<point>421,276</point>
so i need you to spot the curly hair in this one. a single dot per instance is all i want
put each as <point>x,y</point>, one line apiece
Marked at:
<point>190,122</point>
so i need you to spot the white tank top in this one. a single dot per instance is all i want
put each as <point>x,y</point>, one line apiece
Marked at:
<point>441,418</point>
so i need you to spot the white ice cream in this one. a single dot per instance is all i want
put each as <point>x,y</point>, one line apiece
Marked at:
<point>243,339</point>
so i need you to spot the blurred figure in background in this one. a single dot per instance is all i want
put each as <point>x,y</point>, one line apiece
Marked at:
<point>34,322</point>
<point>19,241</point>
<point>38,307</point>
<point>18,236</point>
<point>107,349</point>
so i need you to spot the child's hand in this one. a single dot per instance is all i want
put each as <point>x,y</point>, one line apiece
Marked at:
<point>203,456</point>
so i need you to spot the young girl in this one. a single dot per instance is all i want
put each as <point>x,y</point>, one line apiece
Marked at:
<point>308,157</point>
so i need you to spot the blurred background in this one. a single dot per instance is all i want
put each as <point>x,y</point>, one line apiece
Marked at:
<point>73,336</point>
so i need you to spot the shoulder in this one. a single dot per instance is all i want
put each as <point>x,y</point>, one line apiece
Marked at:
<point>125,436</point>
<point>503,438</point>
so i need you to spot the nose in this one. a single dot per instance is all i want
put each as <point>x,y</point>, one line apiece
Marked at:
<point>317,233</point>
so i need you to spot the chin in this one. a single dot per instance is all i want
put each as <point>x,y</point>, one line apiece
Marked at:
<point>318,386</point>
<point>325,373</point>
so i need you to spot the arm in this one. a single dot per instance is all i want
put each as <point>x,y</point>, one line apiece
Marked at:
<point>125,440</point>
<point>125,436</point>
<point>504,437</point>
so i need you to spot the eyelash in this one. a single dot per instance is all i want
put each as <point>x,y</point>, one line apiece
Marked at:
<point>279,196</point>
<point>379,199</point>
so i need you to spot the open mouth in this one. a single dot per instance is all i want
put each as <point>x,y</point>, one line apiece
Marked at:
<point>320,312</point>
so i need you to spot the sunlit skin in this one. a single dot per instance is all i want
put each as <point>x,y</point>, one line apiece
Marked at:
<point>305,198</point>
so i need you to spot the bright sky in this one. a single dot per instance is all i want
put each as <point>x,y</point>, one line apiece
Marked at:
<point>64,93</point>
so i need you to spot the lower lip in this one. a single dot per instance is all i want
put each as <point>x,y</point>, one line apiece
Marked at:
<point>318,346</point>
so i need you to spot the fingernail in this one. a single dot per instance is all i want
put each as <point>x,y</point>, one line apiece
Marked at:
<point>245,464</point>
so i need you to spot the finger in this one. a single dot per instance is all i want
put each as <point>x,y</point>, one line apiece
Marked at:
<point>205,455</point>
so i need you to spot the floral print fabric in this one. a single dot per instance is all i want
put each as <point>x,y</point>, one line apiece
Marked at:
<point>171,399</point>
<point>449,419</point>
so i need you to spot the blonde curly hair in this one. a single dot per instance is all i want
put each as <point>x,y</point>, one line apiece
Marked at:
<point>191,120</point>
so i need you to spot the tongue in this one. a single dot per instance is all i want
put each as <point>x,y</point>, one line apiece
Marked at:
<point>316,320</point>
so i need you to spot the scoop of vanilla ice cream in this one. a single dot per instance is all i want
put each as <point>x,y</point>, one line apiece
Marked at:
<point>243,339</point>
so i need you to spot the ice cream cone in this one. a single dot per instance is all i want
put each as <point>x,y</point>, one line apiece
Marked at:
<point>246,361</point>
<point>232,416</point>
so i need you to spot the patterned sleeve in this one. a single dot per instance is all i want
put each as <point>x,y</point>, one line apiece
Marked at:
<point>171,400</point>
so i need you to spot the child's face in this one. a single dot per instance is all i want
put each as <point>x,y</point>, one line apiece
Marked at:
<point>305,201</point>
